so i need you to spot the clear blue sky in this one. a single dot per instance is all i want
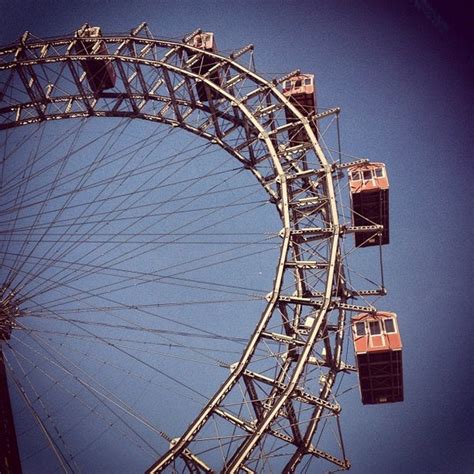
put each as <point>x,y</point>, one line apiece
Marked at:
<point>402,74</point>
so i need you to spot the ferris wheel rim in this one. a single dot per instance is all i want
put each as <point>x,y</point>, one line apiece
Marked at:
<point>282,177</point>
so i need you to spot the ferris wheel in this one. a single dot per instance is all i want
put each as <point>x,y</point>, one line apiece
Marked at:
<point>98,295</point>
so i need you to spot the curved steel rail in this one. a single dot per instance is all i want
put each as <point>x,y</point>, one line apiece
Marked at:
<point>285,394</point>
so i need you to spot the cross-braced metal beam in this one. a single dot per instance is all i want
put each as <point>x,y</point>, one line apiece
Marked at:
<point>282,386</point>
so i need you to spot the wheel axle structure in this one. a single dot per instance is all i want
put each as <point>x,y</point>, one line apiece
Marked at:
<point>269,412</point>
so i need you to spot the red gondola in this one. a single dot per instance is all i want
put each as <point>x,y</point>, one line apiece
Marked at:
<point>378,350</point>
<point>206,42</point>
<point>100,73</point>
<point>369,194</point>
<point>300,91</point>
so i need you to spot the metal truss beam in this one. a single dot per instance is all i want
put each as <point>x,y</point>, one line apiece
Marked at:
<point>299,180</point>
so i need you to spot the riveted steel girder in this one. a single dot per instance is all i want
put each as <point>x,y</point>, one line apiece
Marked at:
<point>245,115</point>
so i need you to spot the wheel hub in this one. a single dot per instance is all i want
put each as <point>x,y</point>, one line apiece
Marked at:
<point>9,311</point>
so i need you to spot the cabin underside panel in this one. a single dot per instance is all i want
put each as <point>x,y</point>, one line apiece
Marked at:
<point>380,377</point>
<point>369,208</point>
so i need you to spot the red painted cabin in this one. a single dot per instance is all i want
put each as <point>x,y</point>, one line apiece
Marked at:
<point>301,92</point>
<point>369,195</point>
<point>206,42</point>
<point>100,73</point>
<point>378,350</point>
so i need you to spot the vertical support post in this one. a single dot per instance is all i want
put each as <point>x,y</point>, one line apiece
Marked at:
<point>9,455</point>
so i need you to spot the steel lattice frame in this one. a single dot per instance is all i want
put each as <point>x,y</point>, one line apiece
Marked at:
<point>267,404</point>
